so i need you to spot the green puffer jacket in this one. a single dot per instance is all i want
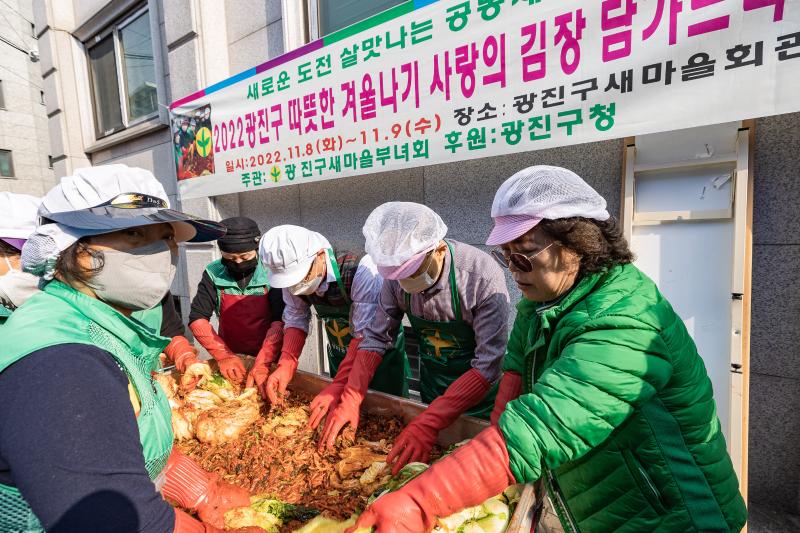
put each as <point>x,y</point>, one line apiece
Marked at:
<point>617,415</point>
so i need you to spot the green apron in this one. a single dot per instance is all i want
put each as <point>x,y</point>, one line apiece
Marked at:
<point>394,371</point>
<point>73,317</point>
<point>446,350</point>
<point>152,319</point>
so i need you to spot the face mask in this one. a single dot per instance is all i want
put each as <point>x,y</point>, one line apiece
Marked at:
<point>423,281</point>
<point>245,267</point>
<point>304,288</point>
<point>17,286</point>
<point>136,279</point>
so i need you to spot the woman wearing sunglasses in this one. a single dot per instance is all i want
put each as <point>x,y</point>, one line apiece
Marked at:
<point>604,400</point>
<point>85,431</point>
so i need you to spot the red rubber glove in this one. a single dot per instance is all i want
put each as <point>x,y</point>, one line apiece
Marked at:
<point>293,341</point>
<point>469,476</point>
<point>181,352</point>
<point>415,442</point>
<point>329,397</point>
<point>230,366</point>
<point>346,412</point>
<point>510,388</point>
<point>186,524</point>
<point>266,356</point>
<point>193,488</point>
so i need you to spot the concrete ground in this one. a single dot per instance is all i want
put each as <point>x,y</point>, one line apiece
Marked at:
<point>764,519</point>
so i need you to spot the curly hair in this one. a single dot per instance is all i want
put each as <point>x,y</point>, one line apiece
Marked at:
<point>600,244</point>
<point>69,267</point>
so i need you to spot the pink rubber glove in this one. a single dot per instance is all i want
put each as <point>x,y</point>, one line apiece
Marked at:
<point>328,399</point>
<point>350,401</point>
<point>266,356</point>
<point>510,388</point>
<point>415,442</point>
<point>293,341</point>
<point>193,488</point>
<point>230,365</point>
<point>469,476</point>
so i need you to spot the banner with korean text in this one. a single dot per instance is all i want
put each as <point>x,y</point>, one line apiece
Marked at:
<point>432,82</point>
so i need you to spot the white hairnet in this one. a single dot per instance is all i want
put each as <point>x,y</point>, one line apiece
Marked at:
<point>548,192</point>
<point>397,231</point>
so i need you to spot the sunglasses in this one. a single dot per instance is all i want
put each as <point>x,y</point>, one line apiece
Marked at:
<point>522,262</point>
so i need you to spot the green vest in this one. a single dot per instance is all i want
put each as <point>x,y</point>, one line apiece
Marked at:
<point>223,281</point>
<point>152,318</point>
<point>71,318</point>
<point>4,314</point>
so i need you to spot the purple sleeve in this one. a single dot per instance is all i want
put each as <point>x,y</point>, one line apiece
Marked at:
<point>70,443</point>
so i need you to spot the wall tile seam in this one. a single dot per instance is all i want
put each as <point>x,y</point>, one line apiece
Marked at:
<point>264,27</point>
<point>122,144</point>
<point>761,374</point>
<point>180,41</point>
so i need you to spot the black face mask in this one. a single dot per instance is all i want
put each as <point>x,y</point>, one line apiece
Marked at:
<point>240,269</point>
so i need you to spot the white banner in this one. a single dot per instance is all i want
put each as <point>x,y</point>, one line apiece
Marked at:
<point>436,82</point>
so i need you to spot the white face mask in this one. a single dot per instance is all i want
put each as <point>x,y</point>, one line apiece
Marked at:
<point>305,288</point>
<point>17,286</point>
<point>136,279</point>
<point>422,282</point>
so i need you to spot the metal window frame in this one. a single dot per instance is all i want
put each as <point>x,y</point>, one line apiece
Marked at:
<point>2,96</point>
<point>314,24</point>
<point>10,164</point>
<point>113,30</point>
<point>313,20</point>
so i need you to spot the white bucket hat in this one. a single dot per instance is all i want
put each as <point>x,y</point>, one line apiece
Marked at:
<point>288,251</point>
<point>105,199</point>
